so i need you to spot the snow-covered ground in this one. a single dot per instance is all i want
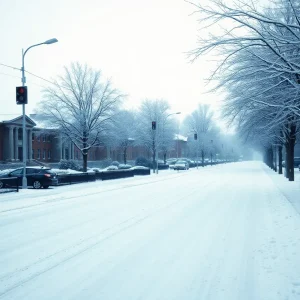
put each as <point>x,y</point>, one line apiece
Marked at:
<point>223,232</point>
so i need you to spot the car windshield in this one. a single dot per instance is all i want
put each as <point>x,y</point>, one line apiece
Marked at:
<point>180,162</point>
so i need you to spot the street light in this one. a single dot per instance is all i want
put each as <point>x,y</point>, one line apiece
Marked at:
<point>24,179</point>
<point>177,113</point>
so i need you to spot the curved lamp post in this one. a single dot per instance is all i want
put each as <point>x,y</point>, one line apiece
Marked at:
<point>24,145</point>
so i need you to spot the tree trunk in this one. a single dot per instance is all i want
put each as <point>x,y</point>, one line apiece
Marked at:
<point>286,160</point>
<point>275,158</point>
<point>202,157</point>
<point>290,145</point>
<point>84,151</point>
<point>292,151</point>
<point>165,158</point>
<point>270,158</point>
<point>84,159</point>
<point>125,155</point>
<point>280,159</point>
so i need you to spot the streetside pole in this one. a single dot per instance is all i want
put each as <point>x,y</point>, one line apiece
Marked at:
<point>197,153</point>
<point>156,148</point>
<point>24,144</point>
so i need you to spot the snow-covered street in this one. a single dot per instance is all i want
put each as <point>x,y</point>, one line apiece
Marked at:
<point>223,232</point>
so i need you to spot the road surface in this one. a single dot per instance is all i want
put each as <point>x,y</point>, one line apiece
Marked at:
<point>221,232</point>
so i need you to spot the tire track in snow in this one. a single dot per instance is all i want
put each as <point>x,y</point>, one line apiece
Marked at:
<point>10,282</point>
<point>60,199</point>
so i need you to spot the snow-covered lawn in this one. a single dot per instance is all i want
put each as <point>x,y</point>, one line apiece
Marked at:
<point>223,232</point>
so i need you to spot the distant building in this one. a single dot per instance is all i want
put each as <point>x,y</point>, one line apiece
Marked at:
<point>41,143</point>
<point>47,145</point>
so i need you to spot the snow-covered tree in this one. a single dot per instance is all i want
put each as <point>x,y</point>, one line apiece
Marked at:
<point>123,131</point>
<point>159,139</point>
<point>201,123</point>
<point>259,67</point>
<point>81,105</point>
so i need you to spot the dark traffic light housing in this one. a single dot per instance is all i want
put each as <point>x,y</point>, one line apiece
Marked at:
<point>21,95</point>
<point>153,125</point>
<point>195,136</point>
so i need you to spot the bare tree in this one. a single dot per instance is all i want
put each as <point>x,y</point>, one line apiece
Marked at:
<point>158,139</point>
<point>259,67</point>
<point>200,122</point>
<point>123,132</point>
<point>81,106</point>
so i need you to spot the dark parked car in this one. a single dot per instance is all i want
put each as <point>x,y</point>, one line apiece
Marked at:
<point>296,162</point>
<point>37,177</point>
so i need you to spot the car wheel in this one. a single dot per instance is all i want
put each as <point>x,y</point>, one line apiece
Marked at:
<point>1,185</point>
<point>45,186</point>
<point>36,184</point>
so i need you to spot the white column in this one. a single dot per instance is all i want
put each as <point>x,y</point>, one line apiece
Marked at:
<point>16,143</point>
<point>30,144</point>
<point>11,142</point>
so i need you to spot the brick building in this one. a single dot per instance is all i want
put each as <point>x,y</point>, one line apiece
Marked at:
<point>47,145</point>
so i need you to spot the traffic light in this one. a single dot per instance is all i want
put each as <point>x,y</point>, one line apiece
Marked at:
<point>195,136</point>
<point>153,125</point>
<point>21,95</point>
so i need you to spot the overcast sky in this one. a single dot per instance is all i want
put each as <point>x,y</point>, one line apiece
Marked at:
<point>140,44</point>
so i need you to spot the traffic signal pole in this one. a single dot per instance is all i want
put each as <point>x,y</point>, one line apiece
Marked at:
<point>156,152</point>
<point>24,142</point>
<point>24,139</point>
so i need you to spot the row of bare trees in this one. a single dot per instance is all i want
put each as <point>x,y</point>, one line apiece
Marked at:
<point>87,111</point>
<point>259,70</point>
<point>205,139</point>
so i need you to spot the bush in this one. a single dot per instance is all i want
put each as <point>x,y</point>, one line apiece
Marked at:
<point>100,164</point>
<point>142,161</point>
<point>124,167</point>
<point>110,168</point>
<point>69,164</point>
<point>115,163</point>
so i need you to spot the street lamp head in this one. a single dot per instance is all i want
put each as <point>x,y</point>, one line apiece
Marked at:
<point>178,113</point>
<point>51,41</point>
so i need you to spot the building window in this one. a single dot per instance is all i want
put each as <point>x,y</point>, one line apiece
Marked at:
<point>33,136</point>
<point>44,138</point>
<point>44,154</point>
<point>32,154</point>
<point>38,154</point>
<point>49,154</point>
<point>38,138</point>
<point>48,138</point>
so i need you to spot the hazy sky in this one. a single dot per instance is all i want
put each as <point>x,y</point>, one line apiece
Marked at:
<point>140,44</point>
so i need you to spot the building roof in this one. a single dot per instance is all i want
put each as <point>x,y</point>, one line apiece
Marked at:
<point>16,119</point>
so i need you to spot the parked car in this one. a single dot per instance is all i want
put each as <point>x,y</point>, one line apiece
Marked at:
<point>37,177</point>
<point>171,163</point>
<point>296,162</point>
<point>181,165</point>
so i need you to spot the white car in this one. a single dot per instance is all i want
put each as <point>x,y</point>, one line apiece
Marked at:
<point>181,165</point>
